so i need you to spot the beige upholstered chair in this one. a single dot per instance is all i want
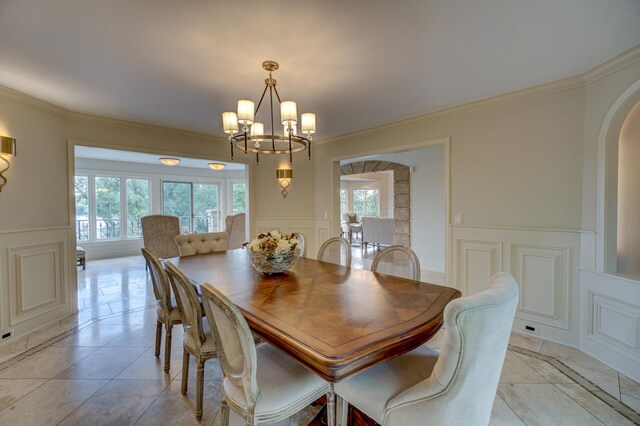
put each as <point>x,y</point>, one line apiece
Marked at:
<point>168,313</point>
<point>302,243</point>
<point>455,387</point>
<point>335,250</point>
<point>159,234</point>
<point>201,243</point>
<point>261,384</point>
<point>235,226</point>
<point>399,261</point>
<point>199,340</point>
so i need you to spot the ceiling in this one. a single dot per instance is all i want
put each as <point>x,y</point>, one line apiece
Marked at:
<point>143,158</point>
<point>356,64</point>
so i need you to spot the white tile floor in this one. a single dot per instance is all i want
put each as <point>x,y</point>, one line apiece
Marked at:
<point>99,368</point>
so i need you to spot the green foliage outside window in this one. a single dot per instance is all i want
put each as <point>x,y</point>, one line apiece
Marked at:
<point>366,202</point>
<point>107,208</point>
<point>137,205</point>
<point>239,191</point>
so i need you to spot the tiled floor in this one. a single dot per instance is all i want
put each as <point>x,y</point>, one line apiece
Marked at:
<point>87,370</point>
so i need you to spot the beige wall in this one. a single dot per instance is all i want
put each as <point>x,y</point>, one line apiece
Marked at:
<point>34,197</point>
<point>514,164</point>
<point>629,195</point>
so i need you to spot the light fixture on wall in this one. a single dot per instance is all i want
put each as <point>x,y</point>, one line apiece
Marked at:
<point>169,161</point>
<point>253,137</point>
<point>7,149</point>
<point>217,166</point>
<point>284,177</point>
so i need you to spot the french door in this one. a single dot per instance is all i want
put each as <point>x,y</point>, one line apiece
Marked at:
<point>197,205</point>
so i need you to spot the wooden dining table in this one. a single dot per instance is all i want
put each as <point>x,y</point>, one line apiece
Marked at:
<point>335,320</point>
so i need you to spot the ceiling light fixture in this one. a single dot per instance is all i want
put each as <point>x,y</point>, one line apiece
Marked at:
<point>169,161</point>
<point>217,166</point>
<point>253,137</point>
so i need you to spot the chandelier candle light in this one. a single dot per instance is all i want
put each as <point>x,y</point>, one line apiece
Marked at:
<point>253,137</point>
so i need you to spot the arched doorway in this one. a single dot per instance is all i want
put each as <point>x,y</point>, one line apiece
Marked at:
<point>401,193</point>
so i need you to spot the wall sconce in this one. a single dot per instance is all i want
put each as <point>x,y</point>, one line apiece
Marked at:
<point>7,149</point>
<point>284,177</point>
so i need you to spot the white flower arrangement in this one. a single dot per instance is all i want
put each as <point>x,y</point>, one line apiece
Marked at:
<point>274,251</point>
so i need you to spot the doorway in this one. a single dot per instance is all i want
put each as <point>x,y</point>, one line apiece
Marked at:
<point>423,199</point>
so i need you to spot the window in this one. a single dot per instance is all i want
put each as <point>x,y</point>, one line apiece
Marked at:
<point>343,201</point>
<point>239,194</point>
<point>108,207</point>
<point>82,207</point>
<point>137,205</point>
<point>366,202</point>
<point>119,204</point>
<point>195,204</point>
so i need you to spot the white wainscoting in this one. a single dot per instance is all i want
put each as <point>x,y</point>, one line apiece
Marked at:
<point>543,262</point>
<point>34,279</point>
<point>610,318</point>
<point>316,231</point>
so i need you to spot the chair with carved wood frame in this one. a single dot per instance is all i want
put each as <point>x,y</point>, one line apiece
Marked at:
<point>331,251</point>
<point>261,384</point>
<point>167,312</point>
<point>399,261</point>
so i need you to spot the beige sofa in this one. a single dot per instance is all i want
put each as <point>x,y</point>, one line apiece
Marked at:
<point>378,231</point>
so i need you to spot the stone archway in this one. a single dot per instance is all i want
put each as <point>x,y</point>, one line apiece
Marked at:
<point>401,193</point>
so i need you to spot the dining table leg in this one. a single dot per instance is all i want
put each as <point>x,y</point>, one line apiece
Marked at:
<point>331,406</point>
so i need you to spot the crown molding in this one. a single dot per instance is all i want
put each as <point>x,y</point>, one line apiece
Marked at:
<point>612,65</point>
<point>30,101</point>
<point>116,122</point>
<point>506,98</point>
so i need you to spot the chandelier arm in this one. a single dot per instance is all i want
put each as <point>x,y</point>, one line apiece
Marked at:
<point>273,131</point>
<point>261,98</point>
<point>277,94</point>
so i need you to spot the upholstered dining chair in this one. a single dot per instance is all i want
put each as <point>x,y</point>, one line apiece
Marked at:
<point>199,340</point>
<point>192,244</point>
<point>235,226</point>
<point>456,386</point>
<point>399,261</point>
<point>261,384</point>
<point>167,311</point>
<point>301,241</point>
<point>159,233</point>
<point>335,250</point>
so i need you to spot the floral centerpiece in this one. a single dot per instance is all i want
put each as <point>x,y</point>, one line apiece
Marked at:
<point>273,252</point>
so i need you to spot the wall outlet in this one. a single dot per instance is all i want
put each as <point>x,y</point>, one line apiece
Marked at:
<point>6,335</point>
<point>457,218</point>
<point>531,329</point>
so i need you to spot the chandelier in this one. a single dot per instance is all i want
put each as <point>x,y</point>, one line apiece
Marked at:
<point>253,137</point>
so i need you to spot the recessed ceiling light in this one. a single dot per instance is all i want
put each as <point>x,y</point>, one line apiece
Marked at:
<point>217,166</point>
<point>169,161</point>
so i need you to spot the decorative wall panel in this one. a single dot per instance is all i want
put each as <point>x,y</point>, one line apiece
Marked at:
<point>477,261</point>
<point>35,279</point>
<point>615,322</point>
<point>35,285</point>
<point>542,273</point>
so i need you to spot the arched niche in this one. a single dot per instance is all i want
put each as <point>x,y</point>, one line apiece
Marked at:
<point>401,193</point>
<point>608,151</point>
